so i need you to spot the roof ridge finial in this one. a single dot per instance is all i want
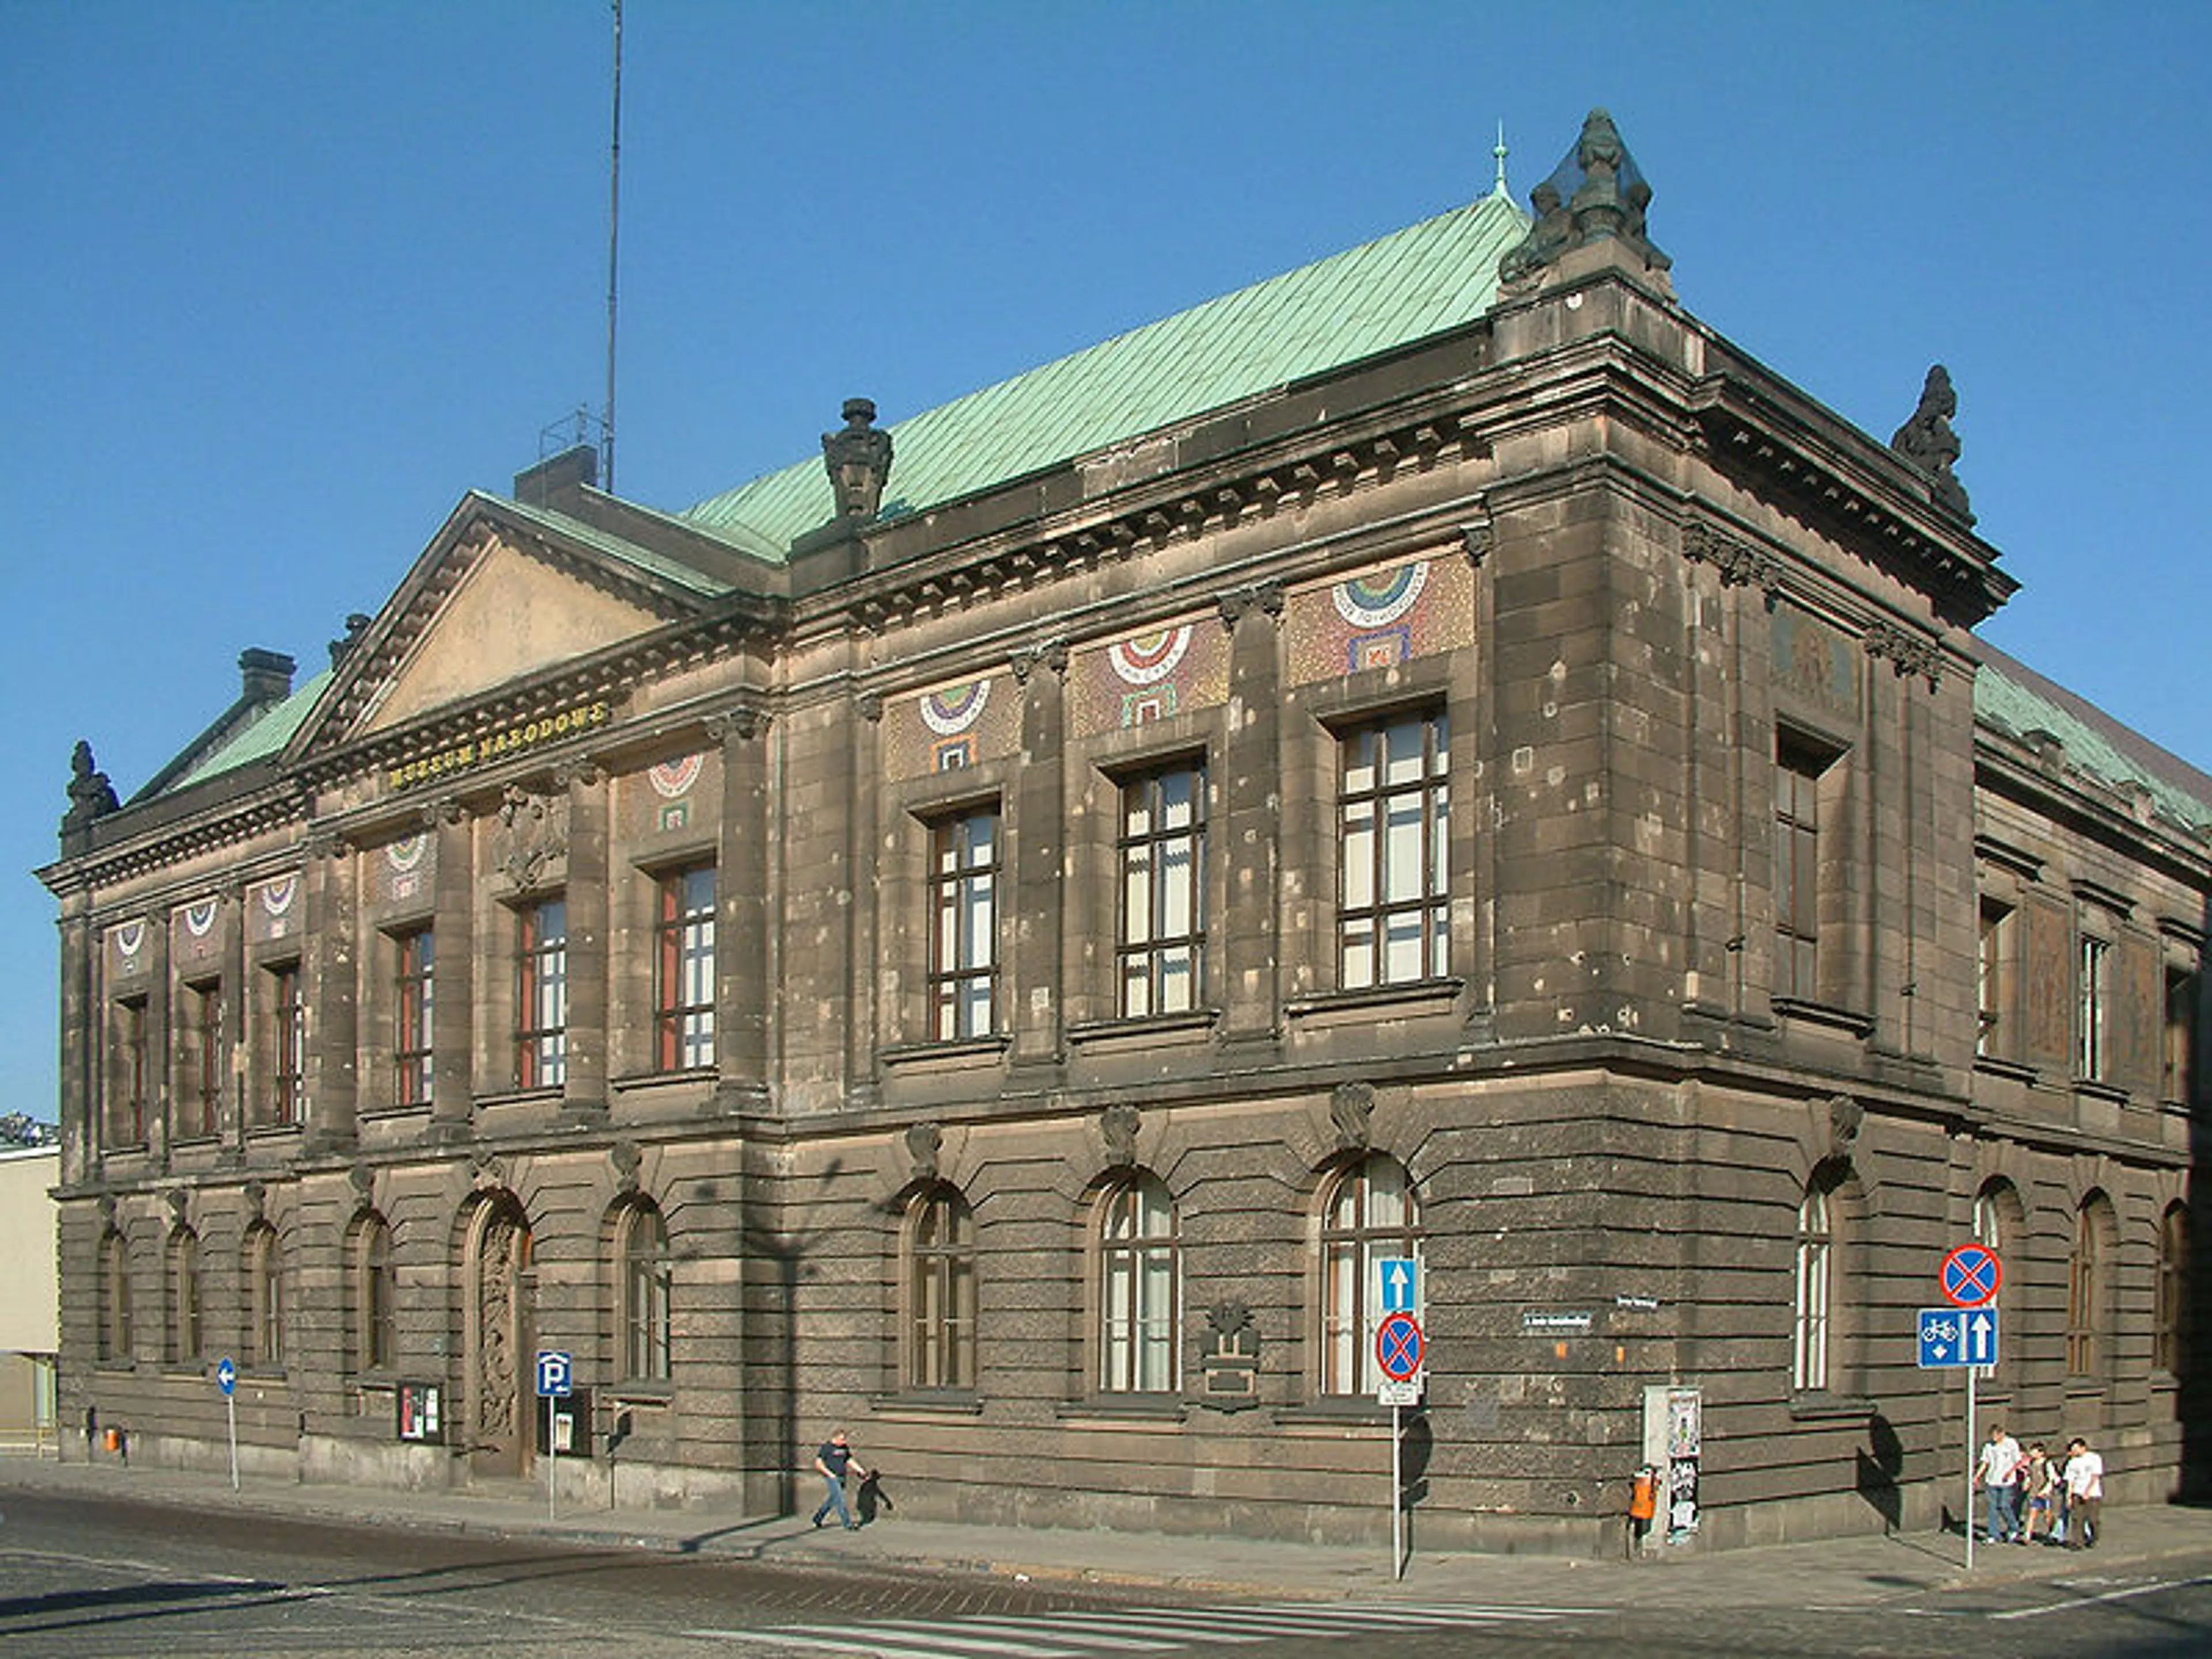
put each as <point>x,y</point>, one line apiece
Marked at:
<point>1497,187</point>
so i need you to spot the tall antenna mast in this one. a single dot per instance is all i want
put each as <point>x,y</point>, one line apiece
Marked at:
<point>614,243</point>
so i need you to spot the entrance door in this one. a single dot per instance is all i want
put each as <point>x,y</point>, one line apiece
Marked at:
<point>501,1381</point>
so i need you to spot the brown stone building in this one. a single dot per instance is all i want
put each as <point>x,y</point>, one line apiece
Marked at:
<point>990,941</point>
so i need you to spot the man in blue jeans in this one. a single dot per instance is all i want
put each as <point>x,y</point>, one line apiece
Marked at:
<point>832,1462</point>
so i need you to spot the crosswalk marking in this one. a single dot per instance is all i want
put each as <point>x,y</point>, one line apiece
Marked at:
<point>932,1638</point>
<point>1104,1635</point>
<point>1088,1639</point>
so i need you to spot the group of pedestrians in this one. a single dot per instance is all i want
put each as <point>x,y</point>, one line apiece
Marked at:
<point>2034,1497</point>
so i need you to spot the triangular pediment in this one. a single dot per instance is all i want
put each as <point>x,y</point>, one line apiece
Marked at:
<point>509,617</point>
<point>504,594</point>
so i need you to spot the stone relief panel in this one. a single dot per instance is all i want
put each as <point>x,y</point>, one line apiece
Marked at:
<point>1815,663</point>
<point>1379,618</point>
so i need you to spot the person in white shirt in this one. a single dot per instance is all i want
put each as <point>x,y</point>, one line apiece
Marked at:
<point>2085,1495</point>
<point>1998,1472</point>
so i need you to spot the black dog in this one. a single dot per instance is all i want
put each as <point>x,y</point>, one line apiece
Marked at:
<point>872,1499</point>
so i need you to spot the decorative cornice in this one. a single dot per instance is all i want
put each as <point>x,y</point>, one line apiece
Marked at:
<point>1740,565</point>
<point>1908,652</point>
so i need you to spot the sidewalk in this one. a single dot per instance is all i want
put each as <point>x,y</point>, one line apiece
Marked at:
<point>1858,1571</point>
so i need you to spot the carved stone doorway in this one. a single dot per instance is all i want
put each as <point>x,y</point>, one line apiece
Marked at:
<point>500,1340</point>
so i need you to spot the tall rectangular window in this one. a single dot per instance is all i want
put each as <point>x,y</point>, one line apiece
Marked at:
<point>963,937</point>
<point>1394,851</point>
<point>126,1098</point>
<point>287,1045</point>
<point>2180,1031</point>
<point>199,1103</point>
<point>1796,871</point>
<point>1993,975</point>
<point>541,1034</point>
<point>411,1027</point>
<point>683,970</point>
<point>1163,850</point>
<point>2092,993</point>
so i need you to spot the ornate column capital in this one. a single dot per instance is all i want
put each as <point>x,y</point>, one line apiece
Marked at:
<point>1265,598</point>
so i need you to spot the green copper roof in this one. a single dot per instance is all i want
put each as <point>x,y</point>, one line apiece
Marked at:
<point>267,735</point>
<point>1413,282</point>
<point>2014,698</point>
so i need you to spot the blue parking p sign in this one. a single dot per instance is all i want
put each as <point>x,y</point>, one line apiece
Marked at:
<point>554,1373</point>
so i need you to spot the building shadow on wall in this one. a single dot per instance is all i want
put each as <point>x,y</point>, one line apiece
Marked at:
<point>1880,1465</point>
<point>2193,1390</point>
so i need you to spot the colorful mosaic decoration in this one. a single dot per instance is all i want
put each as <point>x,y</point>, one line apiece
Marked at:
<point>1381,618</point>
<point>672,782</point>
<point>270,907</point>
<point>1149,676</point>
<point>127,957</point>
<point>403,862</point>
<point>951,728</point>
<point>199,919</point>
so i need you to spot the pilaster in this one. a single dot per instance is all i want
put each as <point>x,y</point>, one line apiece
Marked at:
<point>1034,891</point>
<point>585,1092</point>
<point>1256,838</point>
<point>453,1012</point>
<point>333,994</point>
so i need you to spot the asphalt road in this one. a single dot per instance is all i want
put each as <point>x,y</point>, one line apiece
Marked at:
<point>85,1577</point>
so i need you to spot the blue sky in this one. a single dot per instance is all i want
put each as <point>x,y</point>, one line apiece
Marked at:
<point>280,281</point>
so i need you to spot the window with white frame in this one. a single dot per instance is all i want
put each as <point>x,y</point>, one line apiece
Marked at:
<point>1371,1215</point>
<point>1163,855</point>
<point>541,1035</point>
<point>1140,1289</point>
<point>940,1289</point>
<point>1813,1328</point>
<point>964,936</point>
<point>1394,851</point>
<point>684,970</point>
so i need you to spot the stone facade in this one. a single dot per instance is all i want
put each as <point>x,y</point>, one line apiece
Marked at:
<point>1517,800</point>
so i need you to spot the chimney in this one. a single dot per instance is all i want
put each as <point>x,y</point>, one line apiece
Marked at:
<point>554,481</point>
<point>267,674</point>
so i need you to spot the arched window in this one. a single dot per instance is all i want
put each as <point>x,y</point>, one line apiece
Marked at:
<point>2001,1224</point>
<point>374,1344</point>
<point>2173,1322</point>
<point>1813,1329</point>
<point>2086,1292</point>
<point>184,1324</point>
<point>646,1275</point>
<point>940,1291</point>
<point>1140,1289</point>
<point>116,1336</point>
<point>263,1277</point>
<point>1371,1214</point>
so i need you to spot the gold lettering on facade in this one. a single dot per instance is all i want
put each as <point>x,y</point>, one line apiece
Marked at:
<point>491,746</point>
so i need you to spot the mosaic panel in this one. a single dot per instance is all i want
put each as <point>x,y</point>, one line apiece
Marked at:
<point>273,909</point>
<point>129,950</point>
<point>1149,676</point>
<point>1379,618</point>
<point>952,727</point>
<point>403,869</point>
<point>196,934</point>
<point>678,794</point>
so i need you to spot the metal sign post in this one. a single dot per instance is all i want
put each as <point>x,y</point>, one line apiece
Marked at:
<point>226,1378</point>
<point>1964,1334</point>
<point>556,1376</point>
<point>1400,1349</point>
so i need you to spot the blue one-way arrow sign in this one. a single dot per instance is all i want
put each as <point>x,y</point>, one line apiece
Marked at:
<point>1401,1284</point>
